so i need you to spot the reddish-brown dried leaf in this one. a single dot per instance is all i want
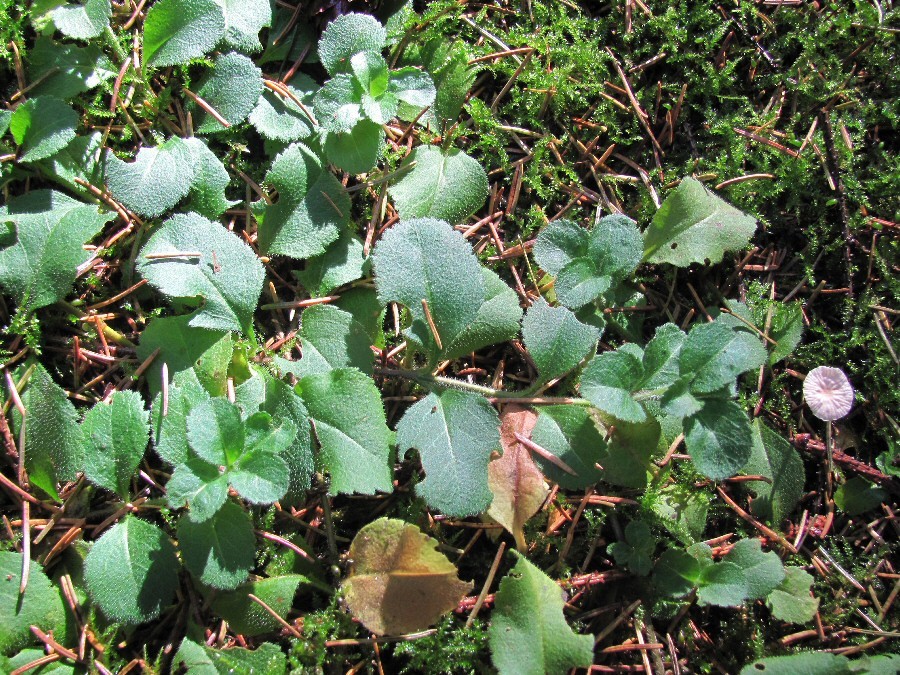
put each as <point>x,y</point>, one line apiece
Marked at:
<point>516,481</point>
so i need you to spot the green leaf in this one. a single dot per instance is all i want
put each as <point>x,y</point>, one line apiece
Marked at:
<point>311,210</point>
<point>170,430</point>
<point>227,276</point>
<point>808,663</point>
<point>131,572</point>
<point>247,617</point>
<point>426,259</point>
<point>176,31</point>
<point>27,656</point>
<point>608,382</point>
<point>219,552</point>
<point>282,403</point>
<point>762,571</point>
<point>693,225</point>
<point>578,284</point>
<point>676,573</point>
<point>791,600</point>
<point>354,448</point>
<point>773,457</point>
<point>261,476</point>
<point>569,432</point>
<point>636,550</point>
<point>558,244</point>
<point>40,258</point>
<point>338,104</point>
<point>882,664</point>
<point>661,356</point>
<point>858,495</point>
<point>207,192</point>
<point>722,584</point>
<point>41,605</point>
<point>116,436</point>
<point>215,431</point>
<point>528,632</point>
<point>398,581</point>
<point>279,117</point>
<point>343,261</point>
<point>414,89</point>
<point>455,433</point>
<point>54,446</point>
<point>681,509</point>
<point>715,354</point>
<point>184,347</point>
<point>331,338</point>
<point>79,159</point>
<point>448,65</point>
<point>42,126</point>
<point>556,340</point>
<point>156,180</point>
<point>66,70</point>
<point>232,89</point>
<point>199,659</point>
<point>243,21</point>
<point>83,22</point>
<point>448,185</point>
<point>626,460</point>
<point>497,319</point>
<point>356,151</point>
<point>198,485</point>
<point>347,35</point>
<point>718,438</point>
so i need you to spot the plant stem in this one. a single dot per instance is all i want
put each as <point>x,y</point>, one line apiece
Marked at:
<point>114,43</point>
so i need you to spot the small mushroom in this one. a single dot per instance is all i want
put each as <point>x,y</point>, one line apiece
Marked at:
<point>828,393</point>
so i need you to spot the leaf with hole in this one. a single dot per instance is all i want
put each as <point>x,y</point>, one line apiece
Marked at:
<point>131,572</point>
<point>529,634</point>
<point>398,581</point>
<point>693,225</point>
<point>191,258</point>
<point>455,433</point>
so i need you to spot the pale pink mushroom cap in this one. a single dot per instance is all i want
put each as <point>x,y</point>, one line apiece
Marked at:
<point>828,393</point>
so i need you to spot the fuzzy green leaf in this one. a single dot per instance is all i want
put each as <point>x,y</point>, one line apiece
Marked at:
<point>232,89</point>
<point>773,457</point>
<point>635,551</point>
<point>215,431</point>
<point>281,118</point>
<point>246,616</point>
<point>243,21</point>
<point>83,22</point>
<point>66,70</point>
<point>170,430</point>
<point>207,192</point>
<point>661,355</point>
<point>42,126</point>
<point>219,552</point>
<point>311,210</point>
<point>155,181</point>
<point>722,584</point>
<point>556,340</point>
<point>227,276</point>
<point>356,151</point>
<point>676,573</point>
<point>43,248</point>
<point>54,445</point>
<point>608,382</point>
<point>807,663</point>
<point>448,65</point>
<point>693,225</point>
<point>762,571</point>
<point>131,572</point>
<point>791,600</point>
<point>338,104</point>
<point>398,581</point>
<point>558,244</point>
<point>261,475</point>
<point>569,432</point>
<point>331,338</point>
<point>528,633</point>
<point>448,185</point>
<point>414,90</point>
<point>858,495</point>
<point>199,659</point>
<point>343,261</point>
<point>455,433</point>
<point>40,606</point>
<point>116,438</point>
<point>176,31</point>
<point>347,35</point>
<point>354,448</point>
<point>718,438</point>
<point>198,485</point>
<point>626,460</point>
<point>714,354</point>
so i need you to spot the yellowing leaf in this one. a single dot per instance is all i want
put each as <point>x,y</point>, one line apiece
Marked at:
<point>517,483</point>
<point>399,582</point>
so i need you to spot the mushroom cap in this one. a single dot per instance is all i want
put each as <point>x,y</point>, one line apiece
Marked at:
<point>828,393</point>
